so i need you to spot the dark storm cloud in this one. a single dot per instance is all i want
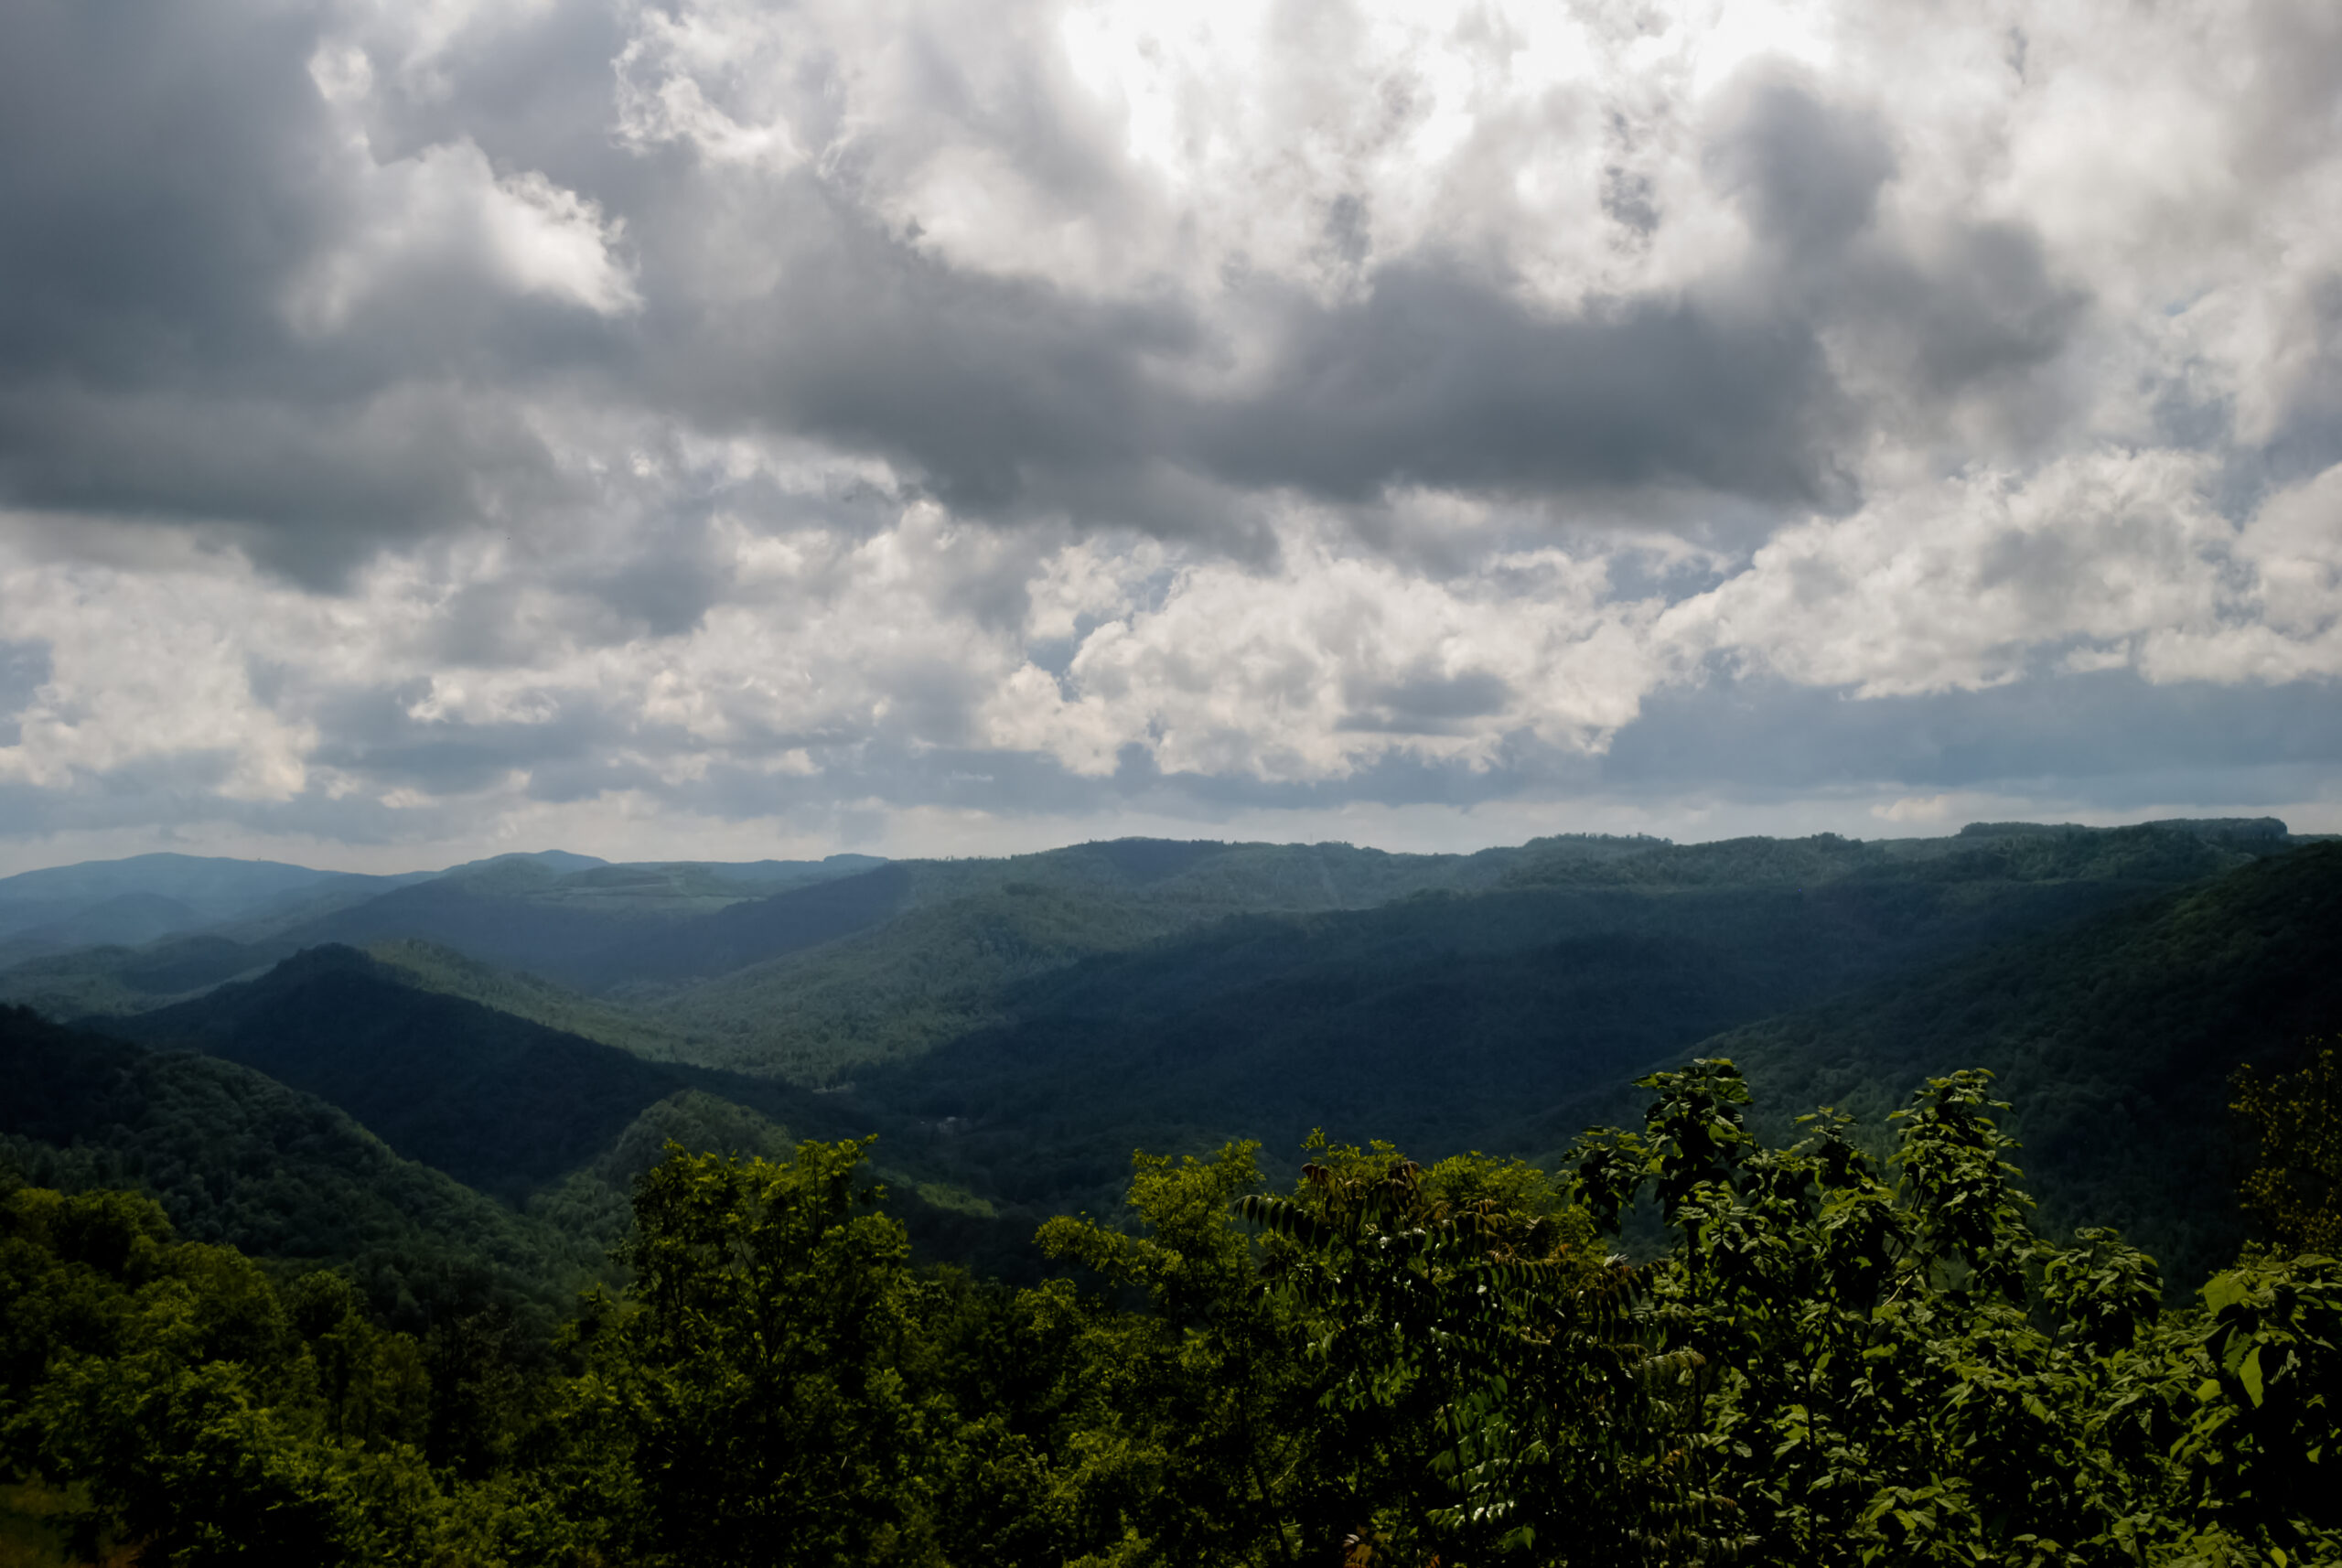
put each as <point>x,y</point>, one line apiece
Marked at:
<point>234,301</point>
<point>1426,702</point>
<point>160,182</point>
<point>1438,379</point>
<point>987,387</point>
<point>182,177</point>
<point>1807,173</point>
<point>309,486</point>
<point>1977,309</point>
<point>1967,306</point>
<point>2107,731</point>
<point>1009,394</point>
<point>170,172</point>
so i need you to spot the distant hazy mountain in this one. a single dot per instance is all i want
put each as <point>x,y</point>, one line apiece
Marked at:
<point>126,918</point>
<point>549,913</point>
<point>218,888</point>
<point>552,917</point>
<point>137,901</point>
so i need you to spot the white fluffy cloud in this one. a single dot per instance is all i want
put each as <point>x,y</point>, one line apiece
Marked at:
<point>747,412</point>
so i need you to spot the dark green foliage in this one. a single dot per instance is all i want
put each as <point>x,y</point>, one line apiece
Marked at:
<point>1445,1020</point>
<point>2114,1039</point>
<point>430,967</point>
<point>1836,1362</point>
<point>500,1103</point>
<point>114,982</point>
<point>596,1201</point>
<point>2294,1193</point>
<point>756,1376</point>
<point>491,915</point>
<point>1484,1355</point>
<point>969,929</point>
<point>237,1159</point>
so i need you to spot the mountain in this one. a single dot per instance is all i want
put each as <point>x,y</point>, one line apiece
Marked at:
<point>551,1123</point>
<point>134,901</point>
<point>238,1158</point>
<point>2166,852</point>
<point>557,862</point>
<point>2115,1041</point>
<point>1090,1000</point>
<point>218,889</point>
<point>548,912</point>
<point>125,917</point>
<point>1451,1021</point>
<point>115,980</point>
<point>749,932</point>
<point>499,1102</point>
<point>553,919</point>
<point>431,967</point>
<point>959,933</point>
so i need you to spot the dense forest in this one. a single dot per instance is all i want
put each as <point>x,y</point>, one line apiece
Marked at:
<point>1836,1359</point>
<point>545,1210</point>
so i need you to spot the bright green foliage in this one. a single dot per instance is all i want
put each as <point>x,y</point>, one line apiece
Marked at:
<point>167,1380</point>
<point>755,1373</point>
<point>186,1403</point>
<point>1895,1369</point>
<point>1479,1355</point>
<point>1189,1432</point>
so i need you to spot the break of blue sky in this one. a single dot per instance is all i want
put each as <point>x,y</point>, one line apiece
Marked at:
<point>723,429</point>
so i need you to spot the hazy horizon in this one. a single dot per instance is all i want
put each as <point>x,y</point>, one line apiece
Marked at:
<point>396,860</point>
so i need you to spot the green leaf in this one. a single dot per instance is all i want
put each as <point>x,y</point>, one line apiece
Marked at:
<point>2249,1375</point>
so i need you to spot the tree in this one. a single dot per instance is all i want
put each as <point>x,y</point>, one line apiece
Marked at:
<point>1889,1371</point>
<point>1475,1359</point>
<point>1192,1436</point>
<point>754,1369</point>
<point>2295,1194</point>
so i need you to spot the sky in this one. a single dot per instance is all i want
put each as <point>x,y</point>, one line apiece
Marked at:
<point>715,429</point>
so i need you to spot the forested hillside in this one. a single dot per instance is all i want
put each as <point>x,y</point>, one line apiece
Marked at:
<point>497,1101</point>
<point>2115,1039</point>
<point>1453,1022</point>
<point>1014,1027</point>
<point>238,1158</point>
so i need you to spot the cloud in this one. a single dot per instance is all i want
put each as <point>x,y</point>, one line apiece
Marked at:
<point>419,414</point>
